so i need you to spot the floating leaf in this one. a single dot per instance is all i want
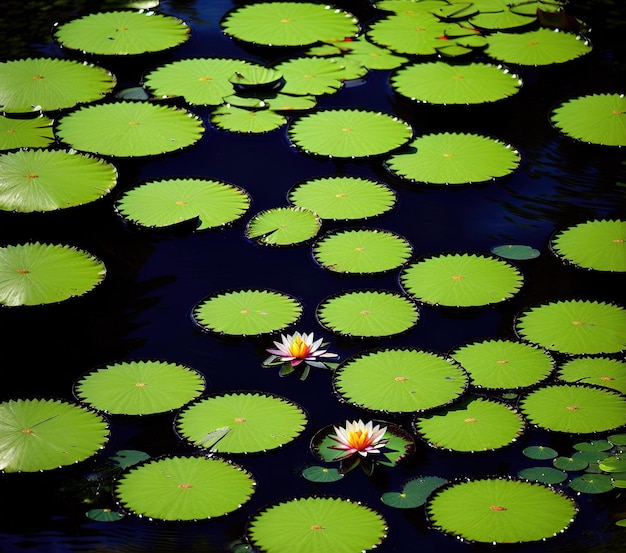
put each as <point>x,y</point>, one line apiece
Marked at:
<point>613,464</point>
<point>184,488</point>
<point>128,457</point>
<point>139,387</point>
<point>249,121</point>
<point>515,251</point>
<point>539,452</point>
<point>104,515</point>
<point>283,226</point>
<point>36,274</point>
<point>371,55</point>
<point>454,158</point>
<point>598,245</point>
<point>343,198</point>
<point>168,202</point>
<point>247,312</point>
<point>322,474</point>
<point>414,493</point>
<point>500,19</point>
<point>461,280</point>
<point>547,475</point>
<point>35,132</point>
<point>591,483</point>
<point>499,510</point>
<point>123,32</point>
<point>575,326</point>
<point>399,380</point>
<point>367,313</point>
<point>602,371</point>
<point>44,434</point>
<point>570,463</point>
<point>307,75</point>
<point>317,525</point>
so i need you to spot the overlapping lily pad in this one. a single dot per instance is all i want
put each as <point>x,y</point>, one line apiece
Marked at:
<point>47,180</point>
<point>289,23</point>
<point>402,380</point>
<point>44,434</point>
<point>252,422</point>
<point>367,313</point>
<point>249,121</point>
<point>414,493</point>
<point>317,525</point>
<point>310,75</point>
<point>49,84</point>
<point>575,326</point>
<point>349,133</point>
<point>598,245</point>
<point>504,364</point>
<point>122,33</point>
<point>35,132</point>
<point>500,510</point>
<point>168,202</point>
<point>185,488</point>
<point>602,371</point>
<point>129,129</point>
<point>247,312</point>
<point>283,226</point>
<point>35,273</point>
<point>472,425</point>
<point>439,82</point>
<point>343,198</point>
<point>139,387</point>
<point>362,251</point>
<point>454,158</point>
<point>594,118</point>
<point>461,280</point>
<point>575,408</point>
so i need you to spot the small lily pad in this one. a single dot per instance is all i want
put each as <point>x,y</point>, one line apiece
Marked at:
<point>414,493</point>
<point>570,464</point>
<point>316,473</point>
<point>591,483</point>
<point>247,121</point>
<point>515,251</point>
<point>547,475</point>
<point>540,452</point>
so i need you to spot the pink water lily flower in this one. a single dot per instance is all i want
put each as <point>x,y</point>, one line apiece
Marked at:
<point>359,437</point>
<point>297,348</point>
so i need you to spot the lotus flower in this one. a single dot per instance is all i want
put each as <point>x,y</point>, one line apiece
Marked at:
<point>358,437</point>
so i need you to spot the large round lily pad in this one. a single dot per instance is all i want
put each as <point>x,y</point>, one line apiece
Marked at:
<point>601,371</point>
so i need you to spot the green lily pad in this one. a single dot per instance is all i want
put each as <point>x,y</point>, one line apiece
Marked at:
<point>547,475</point>
<point>184,488</point>
<point>595,118</point>
<point>593,445</point>
<point>283,226</point>
<point>414,493</point>
<point>349,133</point>
<point>247,121</point>
<point>613,464</point>
<point>570,464</point>
<point>104,515</point>
<point>47,180</point>
<point>602,371</point>
<point>44,434</point>
<point>247,312</point>
<point>454,158</point>
<point>129,129</point>
<point>591,483</point>
<point>576,409</point>
<point>540,452</point>
<point>256,422</point>
<point>439,82</point>
<point>343,198</point>
<point>618,439</point>
<point>598,245</point>
<point>35,274</point>
<point>575,326</point>
<point>167,202</point>
<point>314,76</point>
<point>461,280</point>
<point>371,55</point>
<point>122,33</point>
<point>515,251</point>
<point>255,77</point>
<point>500,19</point>
<point>317,525</point>
<point>399,380</point>
<point>367,313</point>
<point>473,425</point>
<point>139,387</point>
<point>35,132</point>
<point>361,251</point>
<point>322,474</point>
<point>504,364</point>
<point>500,510</point>
<point>49,84</point>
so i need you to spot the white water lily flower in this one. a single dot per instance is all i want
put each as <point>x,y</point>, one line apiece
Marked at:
<point>359,437</point>
<point>297,348</point>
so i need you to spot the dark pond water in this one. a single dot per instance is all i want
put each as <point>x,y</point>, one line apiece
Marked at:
<point>154,279</point>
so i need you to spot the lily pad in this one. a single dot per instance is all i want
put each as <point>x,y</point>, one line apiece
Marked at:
<point>504,364</point>
<point>35,274</point>
<point>414,493</point>
<point>515,251</point>
<point>598,245</point>
<point>317,525</point>
<point>122,33</point>
<point>129,129</point>
<point>500,510</point>
<point>283,226</point>
<point>104,515</point>
<point>602,371</point>
<point>248,121</point>
<point>139,387</point>
<point>461,280</point>
<point>367,313</point>
<point>575,408</point>
<point>343,198</point>
<point>361,251</point>
<point>50,84</point>
<point>349,133</point>
<point>184,488</point>
<point>316,473</point>
<point>35,132</point>
<point>454,158</point>
<point>399,380</point>
<point>247,312</point>
<point>163,203</point>
<point>506,18</point>
<point>540,452</point>
<point>371,55</point>
<point>308,75</point>
<point>255,421</point>
<point>592,483</point>
<point>547,475</point>
<point>575,326</point>
<point>44,434</point>
<point>570,464</point>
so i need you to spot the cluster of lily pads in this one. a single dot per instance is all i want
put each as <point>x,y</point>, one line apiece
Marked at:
<point>64,125</point>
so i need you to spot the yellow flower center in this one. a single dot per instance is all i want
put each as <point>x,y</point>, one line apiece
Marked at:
<point>298,348</point>
<point>359,439</point>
